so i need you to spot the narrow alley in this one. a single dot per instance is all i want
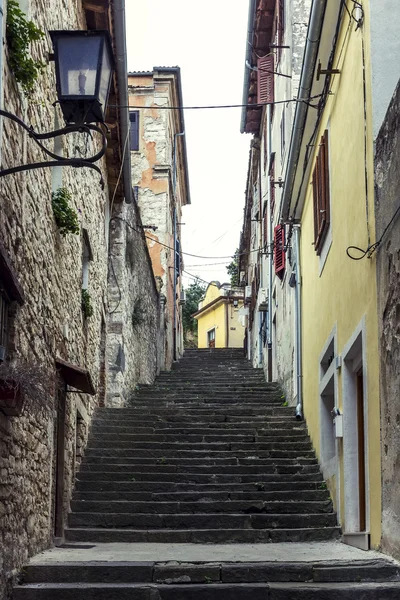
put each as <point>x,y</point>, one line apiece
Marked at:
<point>209,454</point>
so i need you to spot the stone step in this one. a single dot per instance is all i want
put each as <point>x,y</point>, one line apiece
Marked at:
<point>192,521</point>
<point>193,536</point>
<point>254,447</point>
<point>159,454</point>
<point>108,481</point>
<point>196,410</point>
<point>214,442</point>
<point>292,483</point>
<point>156,507</point>
<point>311,495</point>
<point>238,572</point>
<point>179,419</point>
<point>197,453</point>
<point>156,426</point>
<point>126,471</point>
<point>101,462</point>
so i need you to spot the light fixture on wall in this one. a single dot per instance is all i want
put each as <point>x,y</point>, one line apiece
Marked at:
<point>84,65</point>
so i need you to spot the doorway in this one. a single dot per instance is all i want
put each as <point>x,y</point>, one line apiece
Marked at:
<point>60,460</point>
<point>355,446</point>
<point>211,338</point>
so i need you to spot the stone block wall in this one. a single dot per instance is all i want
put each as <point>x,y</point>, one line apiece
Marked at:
<point>387,202</point>
<point>135,341</point>
<point>50,323</point>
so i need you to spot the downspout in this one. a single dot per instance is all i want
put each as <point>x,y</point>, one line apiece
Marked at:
<point>122,79</point>
<point>247,70</point>
<point>270,276</point>
<point>306,80</point>
<point>227,322</point>
<point>299,407</point>
<point>175,238</point>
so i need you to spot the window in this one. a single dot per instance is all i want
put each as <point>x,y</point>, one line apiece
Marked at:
<point>321,200</point>
<point>279,248</point>
<point>211,338</point>
<point>10,293</point>
<point>283,133</point>
<point>272,185</point>
<point>134,133</point>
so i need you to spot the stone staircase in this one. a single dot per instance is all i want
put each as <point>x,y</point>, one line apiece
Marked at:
<point>209,454</point>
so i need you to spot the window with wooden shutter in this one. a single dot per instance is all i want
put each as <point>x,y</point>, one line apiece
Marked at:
<point>321,200</point>
<point>134,132</point>
<point>279,250</point>
<point>265,79</point>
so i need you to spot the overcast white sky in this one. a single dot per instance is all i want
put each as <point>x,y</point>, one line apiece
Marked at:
<point>207,41</point>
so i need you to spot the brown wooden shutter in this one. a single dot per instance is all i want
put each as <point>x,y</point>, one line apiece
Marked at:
<point>265,79</point>
<point>279,245</point>
<point>280,25</point>
<point>321,199</point>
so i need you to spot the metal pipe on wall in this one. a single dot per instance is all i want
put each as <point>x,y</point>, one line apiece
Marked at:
<point>175,239</point>
<point>270,277</point>
<point>299,364</point>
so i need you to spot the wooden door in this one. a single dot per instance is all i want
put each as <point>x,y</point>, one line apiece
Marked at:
<point>60,461</point>
<point>361,451</point>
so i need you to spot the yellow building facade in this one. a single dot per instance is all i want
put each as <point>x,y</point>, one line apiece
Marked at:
<point>219,322</point>
<point>340,366</point>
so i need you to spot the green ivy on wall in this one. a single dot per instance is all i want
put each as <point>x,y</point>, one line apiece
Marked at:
<point>20,33</point>
<point>65,216</point>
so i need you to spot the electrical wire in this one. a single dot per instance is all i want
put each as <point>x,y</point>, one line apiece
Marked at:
<point>216,106</point>
<point>373,247</point>
<point>196,277</point>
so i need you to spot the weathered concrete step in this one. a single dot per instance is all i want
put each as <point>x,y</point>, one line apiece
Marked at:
<point>128,470</point>
<point>292,484</point>
<point>253,506</point>
<point>225,536</point>
<point>239,572</point>
<point>125,453</point>
<point>200,520</point>
<point>204,496</point>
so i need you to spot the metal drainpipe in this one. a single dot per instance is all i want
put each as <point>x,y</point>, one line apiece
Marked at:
<point>299,407</point>
<point>269,341</point>
<point>122,78</point>
<point>175,277</point>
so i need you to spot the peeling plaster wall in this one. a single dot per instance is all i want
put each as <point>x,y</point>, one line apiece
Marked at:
<point>387,180</point>
<point>152,173</point>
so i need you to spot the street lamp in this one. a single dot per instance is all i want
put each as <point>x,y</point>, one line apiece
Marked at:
<point>84,68</point>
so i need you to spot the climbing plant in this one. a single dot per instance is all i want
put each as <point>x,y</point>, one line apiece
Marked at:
<point>65,216</point>
<point>20,32</point>
<point>87,307</point>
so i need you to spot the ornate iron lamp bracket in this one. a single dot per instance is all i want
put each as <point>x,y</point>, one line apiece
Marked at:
<point>59,161</point>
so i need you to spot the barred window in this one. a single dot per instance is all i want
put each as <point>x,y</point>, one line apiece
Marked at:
<point>4,310</point>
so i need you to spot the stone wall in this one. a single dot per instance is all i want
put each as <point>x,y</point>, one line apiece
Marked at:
<point>135,341</point>
<point>387,199</point>
<point>50,323</point>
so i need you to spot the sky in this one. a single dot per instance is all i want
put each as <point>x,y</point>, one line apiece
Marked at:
<point>207,41</point>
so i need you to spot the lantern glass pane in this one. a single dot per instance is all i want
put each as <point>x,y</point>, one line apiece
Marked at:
<point>78,63</point>
<point>105,76</point>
